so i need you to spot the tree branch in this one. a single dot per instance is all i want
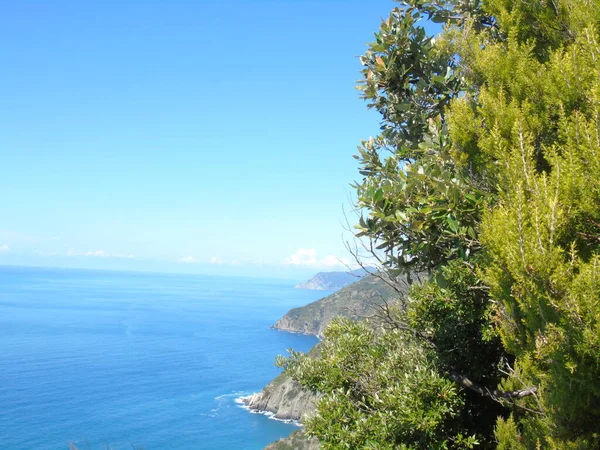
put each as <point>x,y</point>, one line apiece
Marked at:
<point>493,394</point>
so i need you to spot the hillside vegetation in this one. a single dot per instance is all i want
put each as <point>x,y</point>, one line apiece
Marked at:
<point>295,441</point>
<point>485,176</point>
<point>354,301</point>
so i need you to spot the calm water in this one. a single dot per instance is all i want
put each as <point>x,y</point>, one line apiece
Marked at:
<point>152,360</point>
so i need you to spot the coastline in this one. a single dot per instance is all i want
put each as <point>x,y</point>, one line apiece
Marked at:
<point>303,333</point>
<point>244,403</point>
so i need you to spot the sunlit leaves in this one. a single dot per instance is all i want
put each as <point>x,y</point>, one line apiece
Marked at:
<point>485,173</point>
<point>381,390</point>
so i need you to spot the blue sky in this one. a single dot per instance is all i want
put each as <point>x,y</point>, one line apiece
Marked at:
<point>192,136</point>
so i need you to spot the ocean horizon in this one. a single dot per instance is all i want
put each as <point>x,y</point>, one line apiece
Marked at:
<point>138,359</point>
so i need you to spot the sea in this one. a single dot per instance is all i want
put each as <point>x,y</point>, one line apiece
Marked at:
<point>122,360</point>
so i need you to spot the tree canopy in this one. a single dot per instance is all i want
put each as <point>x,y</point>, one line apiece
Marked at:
<point>486,176</point>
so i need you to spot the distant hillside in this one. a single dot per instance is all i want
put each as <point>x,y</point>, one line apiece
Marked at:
<point>355,300</point>
<point>295,441</point>
<point>332,281</point>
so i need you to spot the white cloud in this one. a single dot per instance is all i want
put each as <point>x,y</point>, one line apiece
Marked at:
<point>218,261</point>
<point>95,254</point>
<point>309,257</point>
<point>302,257</point>
<point>214,260</point>
<point>188,260</point>
<point>4,248</point>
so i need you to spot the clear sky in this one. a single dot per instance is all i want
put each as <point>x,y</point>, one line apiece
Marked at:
<point>193,136</point>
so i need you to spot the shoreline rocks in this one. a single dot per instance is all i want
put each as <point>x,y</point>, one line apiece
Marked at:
<point>284,398</point>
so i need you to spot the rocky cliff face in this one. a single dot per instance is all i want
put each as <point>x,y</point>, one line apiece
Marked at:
<point>284,398</point>
<point>356,301</point>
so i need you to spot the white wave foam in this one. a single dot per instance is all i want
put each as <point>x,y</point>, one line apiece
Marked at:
<point>235,394</point>
<point>240,403</point>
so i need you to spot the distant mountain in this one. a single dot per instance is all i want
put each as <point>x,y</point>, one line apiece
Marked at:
<point>333,281</point>
<point>355,300</point>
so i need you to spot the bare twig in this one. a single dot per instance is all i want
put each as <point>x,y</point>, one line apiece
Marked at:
<point>494,394</point>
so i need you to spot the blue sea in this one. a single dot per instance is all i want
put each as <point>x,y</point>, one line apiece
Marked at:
<point>126,360</point>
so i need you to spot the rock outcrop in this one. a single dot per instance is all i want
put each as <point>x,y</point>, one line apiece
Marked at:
<point>284,398</point>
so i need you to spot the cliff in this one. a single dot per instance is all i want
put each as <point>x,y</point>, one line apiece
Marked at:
<point>355,301</point>
<point>283,397</point>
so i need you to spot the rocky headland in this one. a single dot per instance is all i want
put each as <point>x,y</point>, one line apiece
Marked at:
<point>284,397</point>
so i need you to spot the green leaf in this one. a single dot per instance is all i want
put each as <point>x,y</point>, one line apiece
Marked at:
<point>452,223</point>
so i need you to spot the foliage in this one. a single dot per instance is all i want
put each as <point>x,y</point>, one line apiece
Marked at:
<point>542,238</point>
<point>452,312</point>
<point>295,441</point>
<point>485,174</point>
<point>421,210</point>
<point>380,391</point>
<point>537,107</point>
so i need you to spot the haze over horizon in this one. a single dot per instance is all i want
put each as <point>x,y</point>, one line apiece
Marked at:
<point>204,137</point>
